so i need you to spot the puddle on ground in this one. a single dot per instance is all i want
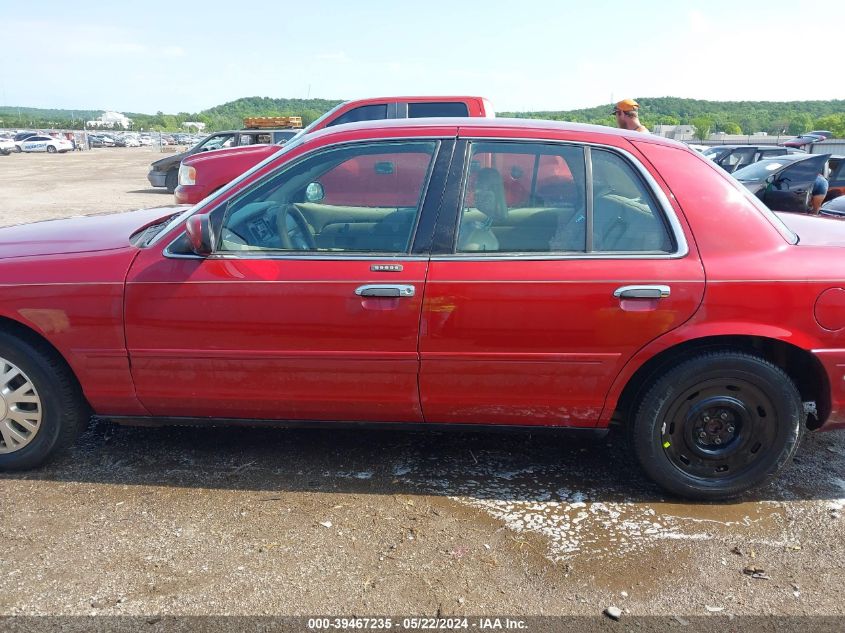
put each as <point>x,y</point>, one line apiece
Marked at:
<point>596,520</point>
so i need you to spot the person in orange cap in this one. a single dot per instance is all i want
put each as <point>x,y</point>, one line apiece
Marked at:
<point>627,114</point>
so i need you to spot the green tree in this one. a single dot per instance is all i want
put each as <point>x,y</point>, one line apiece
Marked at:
<point>702,126</point>
<point>833,122</point>
<point>799,124</point>
<point>731,128</point>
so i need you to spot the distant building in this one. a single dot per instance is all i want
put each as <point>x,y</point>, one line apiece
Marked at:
<point>111,120</point>
<point>678,132</point>
<point>194,124</point>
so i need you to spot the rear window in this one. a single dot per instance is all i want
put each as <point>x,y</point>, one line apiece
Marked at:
<point>429,109</point>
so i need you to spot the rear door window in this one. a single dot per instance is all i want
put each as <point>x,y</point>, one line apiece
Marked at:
<point>538,198</point>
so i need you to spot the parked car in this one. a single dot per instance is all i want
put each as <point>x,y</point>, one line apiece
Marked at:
<point>443,273</point>
<point>784,183</point>
<point>834,208</point>
<point>7,146</point>
<point>41,143</point>
<point>836,177</point>
<point>825,134</point>
<point>165,171</point>
<point>734,157</point>
<point>804,141</point>
<point>200,175</point>
<point>20,136</point>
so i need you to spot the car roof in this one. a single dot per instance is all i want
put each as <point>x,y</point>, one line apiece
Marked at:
<point>467,124</point>
<point>743,145</point>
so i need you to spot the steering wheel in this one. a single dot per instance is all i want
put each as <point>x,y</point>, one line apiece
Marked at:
<point>294,232</point>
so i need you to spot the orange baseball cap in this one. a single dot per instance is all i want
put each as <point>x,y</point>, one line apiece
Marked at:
<point>626,105</point>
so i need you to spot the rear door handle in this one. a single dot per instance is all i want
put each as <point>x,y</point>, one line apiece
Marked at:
<point>642,292</point>
<point>385,290</point>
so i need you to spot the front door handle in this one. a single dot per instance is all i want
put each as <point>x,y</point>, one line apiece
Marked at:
<point>642,292</point>
<point>385,290</point>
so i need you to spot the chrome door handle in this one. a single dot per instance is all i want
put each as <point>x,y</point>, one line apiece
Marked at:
<point>385,290</point>
<point>642,292</point>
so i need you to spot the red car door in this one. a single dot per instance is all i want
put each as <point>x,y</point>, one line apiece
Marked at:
<point>309,307</point>
<point>531,311</point>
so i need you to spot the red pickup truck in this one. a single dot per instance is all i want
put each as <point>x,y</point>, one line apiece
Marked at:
<point>203,174</point>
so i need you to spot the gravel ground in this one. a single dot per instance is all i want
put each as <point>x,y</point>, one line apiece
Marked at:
<point>142,521</point>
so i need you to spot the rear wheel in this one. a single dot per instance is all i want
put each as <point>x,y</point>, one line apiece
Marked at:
<point>718,425</point>
<point>51,149</point>
<point>41,406</point>
<point>171,181</point>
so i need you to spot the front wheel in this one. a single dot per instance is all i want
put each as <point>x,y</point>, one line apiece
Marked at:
<point>51,149</point>
<point>717,425</point>
<point>41,407</point>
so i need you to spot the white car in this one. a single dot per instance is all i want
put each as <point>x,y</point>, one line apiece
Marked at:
<point>44,144</point>
<point>7,146</point>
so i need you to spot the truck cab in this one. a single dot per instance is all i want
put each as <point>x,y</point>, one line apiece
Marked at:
<point>204,174</point>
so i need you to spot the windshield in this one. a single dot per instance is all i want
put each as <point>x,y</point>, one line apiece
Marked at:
<point>295,142</point>
<point>760,170</point>
<point>714,152</point>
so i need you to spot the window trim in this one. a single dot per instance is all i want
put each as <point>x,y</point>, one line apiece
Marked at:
<point>407,255</point>
<point>670,218</point>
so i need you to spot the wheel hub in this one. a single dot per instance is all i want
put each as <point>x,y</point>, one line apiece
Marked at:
<point>715,425</point>
<point>20,408</point>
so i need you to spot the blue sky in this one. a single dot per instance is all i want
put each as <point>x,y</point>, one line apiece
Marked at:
<point>182,56</point>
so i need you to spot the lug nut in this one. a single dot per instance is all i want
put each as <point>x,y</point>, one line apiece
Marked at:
<point>724,415</point>
<point>706,418</point>
<point>702,435</point>
<point>730,429</point>
<point>718,440</point>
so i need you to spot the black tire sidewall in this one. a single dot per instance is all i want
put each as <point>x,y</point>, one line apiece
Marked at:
<point>57,409</point>
<point>171,181</point>
<point>647,431</point>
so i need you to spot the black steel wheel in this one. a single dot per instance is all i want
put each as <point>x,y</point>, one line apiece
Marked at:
<point>718,425</point>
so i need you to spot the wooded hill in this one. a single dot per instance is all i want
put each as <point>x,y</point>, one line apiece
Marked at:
<point>733,117</point>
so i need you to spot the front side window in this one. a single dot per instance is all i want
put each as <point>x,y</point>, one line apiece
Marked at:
<point>217,141</point>
<point>362,113</point>
<point>357,199</point>
<point>533,198</point>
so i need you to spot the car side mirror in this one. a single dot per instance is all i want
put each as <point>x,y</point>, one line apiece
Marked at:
<point>200,237</point>
<point>314,192</point>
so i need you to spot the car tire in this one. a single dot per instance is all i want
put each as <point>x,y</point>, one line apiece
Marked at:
<point>51,149</point>
<point>717,425</point>
<point>18,149</point>
<point>171,181</point>
<point>42,410</point>
<point>5,152</point>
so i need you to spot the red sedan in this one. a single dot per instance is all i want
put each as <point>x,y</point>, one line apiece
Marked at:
<point>443,272</point>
